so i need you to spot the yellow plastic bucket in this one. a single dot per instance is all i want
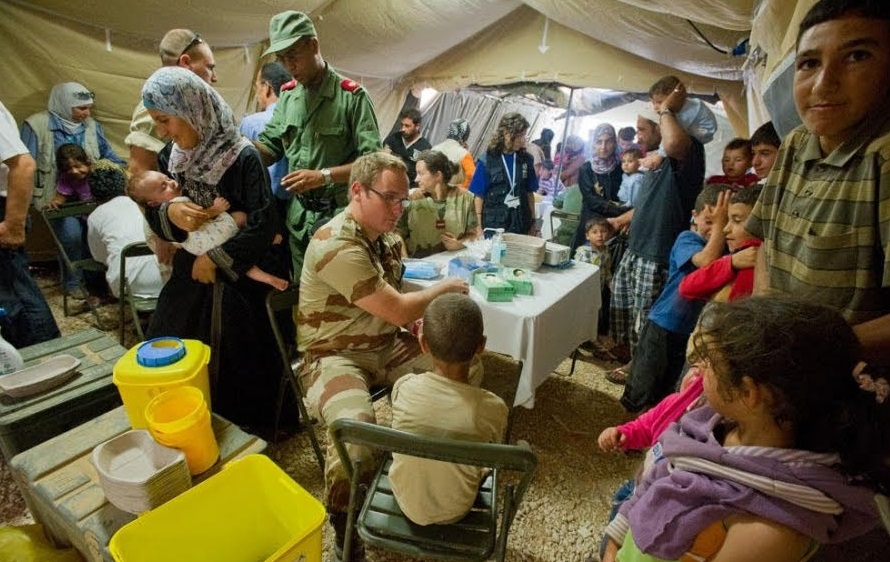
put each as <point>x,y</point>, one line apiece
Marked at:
<point>180,418</point>
<point>250,511</point>
<point>155,366</point>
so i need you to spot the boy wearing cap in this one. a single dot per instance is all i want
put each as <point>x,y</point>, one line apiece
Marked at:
<point>321,124</point>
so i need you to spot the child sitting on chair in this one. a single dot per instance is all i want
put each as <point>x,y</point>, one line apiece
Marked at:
<point>74,166</point>
<point>152,188</point>
<point>444,403</point>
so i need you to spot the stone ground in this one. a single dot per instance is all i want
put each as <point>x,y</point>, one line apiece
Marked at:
<point>565,509</point>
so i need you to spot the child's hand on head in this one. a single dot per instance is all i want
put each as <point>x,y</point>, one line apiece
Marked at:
<point>720,212</point>
<point>610,440</point>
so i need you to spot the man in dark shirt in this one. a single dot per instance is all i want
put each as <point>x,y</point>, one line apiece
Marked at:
<point>407,143</point>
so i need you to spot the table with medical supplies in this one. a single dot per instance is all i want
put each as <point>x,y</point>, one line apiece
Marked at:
<point>541,329</point>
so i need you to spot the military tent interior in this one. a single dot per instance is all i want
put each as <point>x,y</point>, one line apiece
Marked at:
<point>528,53</point>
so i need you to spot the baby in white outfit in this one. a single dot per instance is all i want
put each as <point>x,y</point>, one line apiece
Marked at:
<point>154,188</point>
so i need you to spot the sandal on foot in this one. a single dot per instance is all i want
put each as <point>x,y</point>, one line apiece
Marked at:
<point>619,375</point>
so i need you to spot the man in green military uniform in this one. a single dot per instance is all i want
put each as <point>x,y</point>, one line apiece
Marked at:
<point>322,123</point>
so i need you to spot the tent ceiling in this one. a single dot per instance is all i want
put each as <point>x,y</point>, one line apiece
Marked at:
<point>389,38</point>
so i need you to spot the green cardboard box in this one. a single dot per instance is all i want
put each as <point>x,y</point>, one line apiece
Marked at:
<point>520,279</point>
<point>493,287</point>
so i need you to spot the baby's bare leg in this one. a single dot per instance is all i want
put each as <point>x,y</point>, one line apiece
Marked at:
<point>240,218</point>
<point>258,274</point>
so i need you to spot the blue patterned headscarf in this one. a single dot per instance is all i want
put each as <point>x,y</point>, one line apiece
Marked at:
<point>181,93</point>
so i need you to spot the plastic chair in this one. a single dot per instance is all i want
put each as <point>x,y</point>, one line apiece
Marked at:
<point>278,301</point>
<point>137,305</point>
<point>66,264</point>
<point>381,522</point>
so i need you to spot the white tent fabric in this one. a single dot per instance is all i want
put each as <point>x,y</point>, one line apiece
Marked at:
<point>390,46</point>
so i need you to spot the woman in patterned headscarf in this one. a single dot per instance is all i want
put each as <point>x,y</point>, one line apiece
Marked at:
<point>599,179</point>
<point>209,158</point>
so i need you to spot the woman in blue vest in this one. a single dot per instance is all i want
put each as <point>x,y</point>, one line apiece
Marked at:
<point>505,182</point>
<point>66,120</point>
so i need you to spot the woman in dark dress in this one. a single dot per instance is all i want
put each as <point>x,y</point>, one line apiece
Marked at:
<point>599,180</point>
<point>209,158</point>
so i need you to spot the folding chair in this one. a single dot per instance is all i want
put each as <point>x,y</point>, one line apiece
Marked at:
<point>557,217</point>
<point>66,264</point>
<point>381,522</point>
<point>279,301</point>
<point>137,305</point>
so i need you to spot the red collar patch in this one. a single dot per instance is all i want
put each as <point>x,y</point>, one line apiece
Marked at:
<point>350,85</point>
<point>289,85</point>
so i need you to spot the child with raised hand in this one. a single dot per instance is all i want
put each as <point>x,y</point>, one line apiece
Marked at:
<point>444,403</point>
<point>661,352</point>
<point>153,188</point>
<point>737,160</point>
<point>732,276</point>
<point>74,166</point>
<point>766,469</point>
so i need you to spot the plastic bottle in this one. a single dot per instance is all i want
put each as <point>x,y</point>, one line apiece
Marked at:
<point>498,248</point>
<point>10,358</point>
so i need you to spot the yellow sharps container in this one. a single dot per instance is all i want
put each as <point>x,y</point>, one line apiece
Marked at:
<point>157,365</point>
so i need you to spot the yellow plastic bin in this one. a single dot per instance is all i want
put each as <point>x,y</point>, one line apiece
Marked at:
<point>252,510</point>
<point>157,365</point>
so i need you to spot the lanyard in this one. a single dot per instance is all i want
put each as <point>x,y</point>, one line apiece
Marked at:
<point>511,178</point>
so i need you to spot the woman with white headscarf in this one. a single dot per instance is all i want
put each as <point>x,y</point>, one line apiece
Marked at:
<point>66,120</point>
<point>209,158</point>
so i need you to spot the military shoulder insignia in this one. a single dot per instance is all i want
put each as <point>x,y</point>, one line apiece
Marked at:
<point>289,85</point>
<point>350,85</point>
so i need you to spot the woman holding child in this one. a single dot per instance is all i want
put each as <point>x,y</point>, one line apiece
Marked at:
<point>209,158</point>
<point>444,217</point>
<point>599,180</point>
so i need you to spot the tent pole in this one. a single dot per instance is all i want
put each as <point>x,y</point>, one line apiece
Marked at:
<point>565,133</point>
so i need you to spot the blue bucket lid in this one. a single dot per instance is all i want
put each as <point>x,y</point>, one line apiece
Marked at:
<point>160,352</point>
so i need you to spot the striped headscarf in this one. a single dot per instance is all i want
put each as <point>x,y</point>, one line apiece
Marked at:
<point>181,93</point>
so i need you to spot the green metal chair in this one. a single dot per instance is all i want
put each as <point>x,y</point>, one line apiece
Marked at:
<point>278,302</point>
<point>66,264</point>
<point>137,305</point>
<point>381,522</point>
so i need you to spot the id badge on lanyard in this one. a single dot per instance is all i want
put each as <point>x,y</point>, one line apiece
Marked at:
<point>512,199</point>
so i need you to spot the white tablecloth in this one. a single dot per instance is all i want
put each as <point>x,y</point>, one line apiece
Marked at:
<point>542,329</point>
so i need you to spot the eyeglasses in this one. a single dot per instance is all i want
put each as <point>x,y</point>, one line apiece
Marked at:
<point>197,40</point>
<point>84,96</point>
<point>392,200</point>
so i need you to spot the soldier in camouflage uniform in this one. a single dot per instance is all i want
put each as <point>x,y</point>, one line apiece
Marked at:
<point>351,309</point>
<point>321,124</point>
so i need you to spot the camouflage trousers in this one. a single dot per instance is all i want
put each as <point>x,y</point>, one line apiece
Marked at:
<point>339,387</point>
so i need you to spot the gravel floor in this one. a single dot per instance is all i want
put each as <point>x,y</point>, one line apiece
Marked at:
<point>562,515</point>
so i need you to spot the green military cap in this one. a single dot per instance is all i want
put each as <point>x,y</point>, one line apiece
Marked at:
<point>286,28</point>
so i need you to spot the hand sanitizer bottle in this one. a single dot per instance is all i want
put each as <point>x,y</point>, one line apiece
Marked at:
<point>498,248</point>
<point>10,358</point>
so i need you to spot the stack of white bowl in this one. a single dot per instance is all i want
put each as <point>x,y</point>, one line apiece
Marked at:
<point>137,473</point>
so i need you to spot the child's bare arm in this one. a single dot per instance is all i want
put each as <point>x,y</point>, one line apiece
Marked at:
<point>220,206</point>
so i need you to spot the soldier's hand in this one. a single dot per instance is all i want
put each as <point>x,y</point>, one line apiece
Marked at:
<point>301,181</point>
<point>454,285</point>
